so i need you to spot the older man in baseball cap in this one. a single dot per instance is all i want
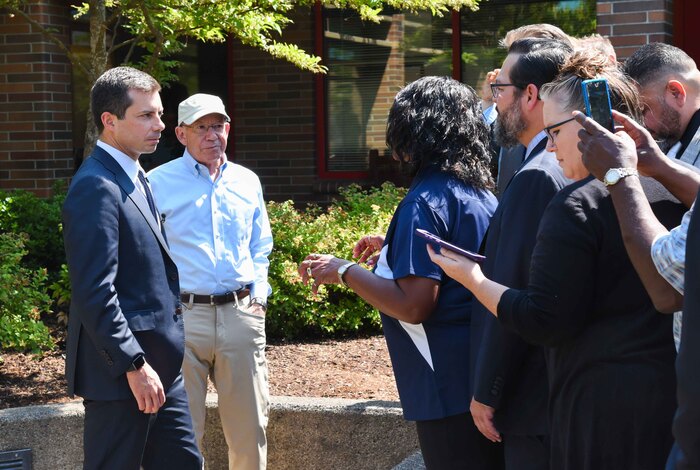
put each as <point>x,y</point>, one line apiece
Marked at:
<point>214,216</point>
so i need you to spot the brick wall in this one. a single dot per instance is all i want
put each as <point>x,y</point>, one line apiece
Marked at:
<point>633,23</point>
<point>274,122</point>
<point>274,118</point>
<point>35,101</point>
<point>274,130</point>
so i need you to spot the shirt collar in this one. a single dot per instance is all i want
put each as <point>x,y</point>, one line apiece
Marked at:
<point>689,133</point>
<point>128,164</point>
<point>534,143</point>
<point>197,168</point>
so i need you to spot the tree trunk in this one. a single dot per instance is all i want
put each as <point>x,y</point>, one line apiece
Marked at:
<point>98,63</point>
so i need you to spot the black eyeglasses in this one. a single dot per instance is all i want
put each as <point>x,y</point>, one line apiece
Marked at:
<point>548,130</point>
<point>496,88</point>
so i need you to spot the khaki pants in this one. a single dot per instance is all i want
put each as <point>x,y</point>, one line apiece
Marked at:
<point>228,344</point>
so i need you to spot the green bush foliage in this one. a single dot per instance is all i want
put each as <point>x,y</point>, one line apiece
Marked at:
<point>23,299</point>
<point>40,219</point>
<point>60,292</point>
<point>294,311</point>
<point>336,311</point>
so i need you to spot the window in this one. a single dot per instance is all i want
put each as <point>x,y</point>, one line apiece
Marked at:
<point>368,64</point>
<point>482,30</point>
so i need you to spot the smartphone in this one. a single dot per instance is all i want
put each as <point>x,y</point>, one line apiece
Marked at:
<point>439,241</point>
<point>596,97</point>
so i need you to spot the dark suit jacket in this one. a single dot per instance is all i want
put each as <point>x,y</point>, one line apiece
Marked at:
<point>509,161</point>
<point>510,374</point>
<point>686,426</point>
<point>125,284</point>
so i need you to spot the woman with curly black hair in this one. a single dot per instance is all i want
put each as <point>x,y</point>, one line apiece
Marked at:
<point>436,129</point>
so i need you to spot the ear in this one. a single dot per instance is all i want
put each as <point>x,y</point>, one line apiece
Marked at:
<point>108,119</point>
<point>181,135</point>
<point>677,92</point>
<point>532,97</point>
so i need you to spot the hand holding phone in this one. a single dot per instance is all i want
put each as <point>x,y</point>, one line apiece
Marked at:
<point>596,97</point>
<point>476,257</point>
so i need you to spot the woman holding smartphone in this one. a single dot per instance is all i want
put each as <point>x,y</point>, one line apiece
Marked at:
<point>611,354</point>
<point>435,128</point>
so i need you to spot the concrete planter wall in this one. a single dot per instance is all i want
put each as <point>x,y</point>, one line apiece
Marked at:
<point>303,433</point>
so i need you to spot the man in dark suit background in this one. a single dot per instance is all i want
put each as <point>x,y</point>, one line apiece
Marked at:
<point>510,381</point>
<point>510,159</point>
<point>125,331</point>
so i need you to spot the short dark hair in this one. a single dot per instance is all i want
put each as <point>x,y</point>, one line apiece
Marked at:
<point>110,93</point>
<point>653,61</point>
<point>438,121</point>
<point>539,62</point>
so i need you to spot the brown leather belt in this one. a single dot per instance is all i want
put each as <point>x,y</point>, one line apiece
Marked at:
<point>215,299</point>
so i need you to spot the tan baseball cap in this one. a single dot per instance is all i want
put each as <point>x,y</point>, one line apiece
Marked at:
<point>200,105</point>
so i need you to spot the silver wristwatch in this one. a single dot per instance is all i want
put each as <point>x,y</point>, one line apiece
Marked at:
<point>259,301</point>
<point>341,272</point>
<point>614,175</point>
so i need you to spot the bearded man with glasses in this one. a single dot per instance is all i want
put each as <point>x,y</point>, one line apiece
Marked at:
<point>510,383</point>
<point>215,219</point>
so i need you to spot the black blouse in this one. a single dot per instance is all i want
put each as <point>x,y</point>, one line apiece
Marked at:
<point>606,341</point>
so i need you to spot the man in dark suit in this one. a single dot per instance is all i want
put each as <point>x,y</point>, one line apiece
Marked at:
<point>686,425</point>
<point>510,382</point>
<point>125,330</point>
<point>510,159</point>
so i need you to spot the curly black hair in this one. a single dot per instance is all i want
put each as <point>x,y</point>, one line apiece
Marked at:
<point>438,121</point>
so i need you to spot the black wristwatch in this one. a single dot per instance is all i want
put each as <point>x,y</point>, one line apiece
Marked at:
<point>137,364</point>
<point>260,301</point>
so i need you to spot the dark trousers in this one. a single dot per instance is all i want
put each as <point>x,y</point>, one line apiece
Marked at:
<point>454,443</point>
<point>526,452</point>
<point>120,437</point>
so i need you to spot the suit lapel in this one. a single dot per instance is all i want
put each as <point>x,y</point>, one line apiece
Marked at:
<point>132,193</point>
<point>535,151</point>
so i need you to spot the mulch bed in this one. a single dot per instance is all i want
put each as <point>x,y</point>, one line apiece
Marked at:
<point>353,368</point>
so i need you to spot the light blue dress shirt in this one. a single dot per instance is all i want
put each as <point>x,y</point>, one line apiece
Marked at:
<point>490,114</point>
<point>218,231</point>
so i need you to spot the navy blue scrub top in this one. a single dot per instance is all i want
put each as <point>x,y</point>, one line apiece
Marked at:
<point>431,360</point>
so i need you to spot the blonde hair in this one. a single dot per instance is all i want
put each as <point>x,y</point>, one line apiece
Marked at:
<point>587,64</point>
<point>538,30</point>
<point>599,42</point>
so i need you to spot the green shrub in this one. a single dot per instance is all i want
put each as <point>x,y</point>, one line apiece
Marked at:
<point>336,311</point>
<point>60,292</point>
<point>23,299</point>
<point>40,219</point>
<point>294,311</point>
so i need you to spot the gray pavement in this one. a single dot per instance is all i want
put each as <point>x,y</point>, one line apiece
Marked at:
<point>413,462</point>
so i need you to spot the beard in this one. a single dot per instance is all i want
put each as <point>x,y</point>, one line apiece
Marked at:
<point>509,125</point>
<point>671,132</point>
